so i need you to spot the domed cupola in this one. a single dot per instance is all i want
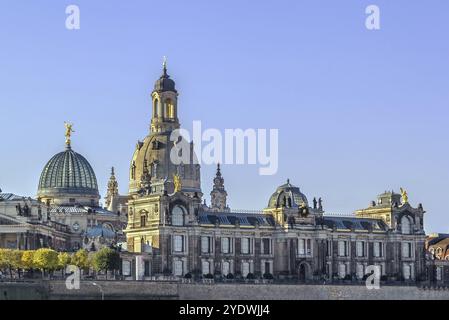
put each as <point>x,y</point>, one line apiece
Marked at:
<point>287,195</point>
<point>68,179</point>
<point>164,83</point>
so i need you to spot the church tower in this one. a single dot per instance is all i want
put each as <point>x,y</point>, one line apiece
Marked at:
<point>165,104</point>
<point>218,194</point>
<point>112,192</point>
<point>152,170</point>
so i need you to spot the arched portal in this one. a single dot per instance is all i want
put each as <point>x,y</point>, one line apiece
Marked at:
<point>304,272</point>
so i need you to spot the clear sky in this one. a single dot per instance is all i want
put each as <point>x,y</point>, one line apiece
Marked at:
<point>358,111</point>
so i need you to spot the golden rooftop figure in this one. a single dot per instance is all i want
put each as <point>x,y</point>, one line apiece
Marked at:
<point>404,196</point>
<point>177,182</point>
<point>68,132</point>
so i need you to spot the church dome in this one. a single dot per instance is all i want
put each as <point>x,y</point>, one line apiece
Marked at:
<point>68,177</point>
<point>164,83</point>
<point>151,160</point>
<point>288,194</point>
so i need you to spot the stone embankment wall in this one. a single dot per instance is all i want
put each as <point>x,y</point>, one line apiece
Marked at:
<point>159,290</point>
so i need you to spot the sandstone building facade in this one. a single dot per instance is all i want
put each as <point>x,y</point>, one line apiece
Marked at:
<point>176,233</point>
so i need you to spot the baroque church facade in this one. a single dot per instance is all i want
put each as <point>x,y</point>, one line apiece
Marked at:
<point>175,233</point>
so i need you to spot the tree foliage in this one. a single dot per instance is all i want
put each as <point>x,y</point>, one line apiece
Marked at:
<point>81,259</point>
<point>63,260</point>
<point>45,259</point>
<point>106,259</point>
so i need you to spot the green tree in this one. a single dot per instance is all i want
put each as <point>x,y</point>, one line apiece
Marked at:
<point>45,259</point>
<point>9,260</point>
<point>27,262</point>
<point>106,259</point>
<point>81,259</point>
<point>63,261</point>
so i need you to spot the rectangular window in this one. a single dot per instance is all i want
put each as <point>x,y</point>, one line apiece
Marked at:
<point>360,270</point>
<point>301,247</point>
<point>267,267</point>
<point>343,248</point>
<point>406,249</point>
<point>206,244</point>
<point>178,268</point>
<point>206,267</point>
<point>246,245</point>
<point>360,249</point>
<point>225,268</point>
<point>225,245</point>
<point>266,246</point>
<point>439,273</point>
<point>309,246</point>
<point>178,245</point>
<point>342,270</point>
<point>245,268</point>
<point>329,248</point>
<point>378,249</point>
<point>147,268</point>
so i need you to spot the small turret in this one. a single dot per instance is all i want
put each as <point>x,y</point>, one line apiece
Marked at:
<point>218,194</point>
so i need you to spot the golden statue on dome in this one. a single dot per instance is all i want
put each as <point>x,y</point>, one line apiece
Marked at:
<point>68,132</point>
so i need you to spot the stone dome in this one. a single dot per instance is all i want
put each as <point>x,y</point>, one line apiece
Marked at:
<point>293,197</point>
<point>151,160</point>
<point>68,178</point>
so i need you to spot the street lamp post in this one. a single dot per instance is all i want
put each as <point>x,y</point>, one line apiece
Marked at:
<point>101,289</point>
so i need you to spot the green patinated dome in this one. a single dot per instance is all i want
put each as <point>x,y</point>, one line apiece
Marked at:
<point>68,173</point>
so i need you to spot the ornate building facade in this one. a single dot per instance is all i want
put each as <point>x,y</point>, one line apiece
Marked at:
<point>178,234</point>
<point>68,187</point>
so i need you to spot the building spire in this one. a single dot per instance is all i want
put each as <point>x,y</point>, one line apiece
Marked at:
<point>164,65</point>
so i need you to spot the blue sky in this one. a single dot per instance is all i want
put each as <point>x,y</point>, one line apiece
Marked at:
<point>358,111</point>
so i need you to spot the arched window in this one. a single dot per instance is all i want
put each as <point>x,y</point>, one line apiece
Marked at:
<point>169,109</point>
<point>406,227</point>
<point>178,216</point>
<point>157,110</point>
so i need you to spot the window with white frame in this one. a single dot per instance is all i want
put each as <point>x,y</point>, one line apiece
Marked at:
<point>226,245</point>
<point>377,249</point>
<point>246,246</point>
<point>177,216</point>
<point>360,270</point>
<point>342,270</point>
<point>266,246</point>
<point>178,267</point>
<point>245,268</point>
<point>178,243</point>
<point>360,248</point>
<point>304,247</point>
<point>225,268</point>
<point>206,244</point>
<point>343,248</point>
<point>301,247</point>
<point>205,267</point>
<point>407,271</point>
<point>406,249</point>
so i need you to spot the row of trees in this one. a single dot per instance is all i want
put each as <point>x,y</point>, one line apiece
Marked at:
<point>16,262</point>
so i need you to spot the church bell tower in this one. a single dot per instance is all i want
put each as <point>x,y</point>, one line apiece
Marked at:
<point>165,104</point>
